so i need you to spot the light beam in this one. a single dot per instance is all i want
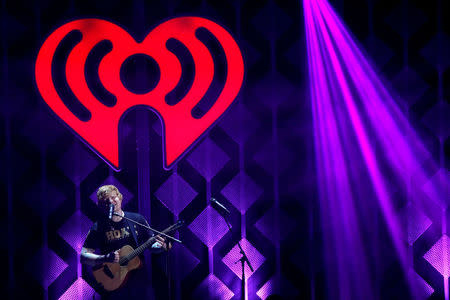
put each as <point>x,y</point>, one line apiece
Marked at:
<point>365,149</point>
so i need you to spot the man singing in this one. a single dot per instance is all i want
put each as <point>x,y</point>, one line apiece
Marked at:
<point>112,232</point>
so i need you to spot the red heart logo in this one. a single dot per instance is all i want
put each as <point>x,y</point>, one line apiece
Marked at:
<point>181,129</point>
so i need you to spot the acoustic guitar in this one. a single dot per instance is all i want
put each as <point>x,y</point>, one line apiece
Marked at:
<point>113,275</point>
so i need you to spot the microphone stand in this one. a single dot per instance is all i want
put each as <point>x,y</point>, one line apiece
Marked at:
<point>149,228</point>
<point>244,259</point>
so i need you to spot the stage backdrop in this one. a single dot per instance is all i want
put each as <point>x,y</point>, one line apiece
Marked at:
<point>258,159</point>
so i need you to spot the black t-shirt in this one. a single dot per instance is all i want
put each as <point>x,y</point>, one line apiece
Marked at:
<point>107,235</point>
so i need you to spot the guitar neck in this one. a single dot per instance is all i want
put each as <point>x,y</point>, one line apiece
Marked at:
<point>148,243</point>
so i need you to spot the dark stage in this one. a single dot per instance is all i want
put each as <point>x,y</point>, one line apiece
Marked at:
<point>323,127</point>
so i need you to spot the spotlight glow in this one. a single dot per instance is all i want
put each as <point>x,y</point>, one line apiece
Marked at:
<point>365,149</point>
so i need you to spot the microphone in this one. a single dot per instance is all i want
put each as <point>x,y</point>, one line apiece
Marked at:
<point>111,210</point>
<point>219,205</point>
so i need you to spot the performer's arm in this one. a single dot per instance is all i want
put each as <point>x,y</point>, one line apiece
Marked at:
<point>88,257</point>
<point>160,244</point>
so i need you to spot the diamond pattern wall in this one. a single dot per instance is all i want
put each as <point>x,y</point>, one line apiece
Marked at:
<point>45,266</point>
<point>79,290</point>
<point>438,256</point>
<point>75,230</point>
<point>208,159</point>
<point>213,288</point>
<point>77,162</point>
<point>209,226</point>
<point>175,193</point>
<point>242,191</point>
<point>255,150</point>
<point>254,256</point>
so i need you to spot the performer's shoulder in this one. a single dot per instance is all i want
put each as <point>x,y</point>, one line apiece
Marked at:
<point>94,226</point>
<point>134,216</point>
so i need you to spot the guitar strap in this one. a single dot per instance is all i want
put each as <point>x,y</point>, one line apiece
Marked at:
<point>132,229</point>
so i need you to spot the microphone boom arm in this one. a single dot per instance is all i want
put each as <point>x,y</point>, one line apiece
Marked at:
<point>149,228</point>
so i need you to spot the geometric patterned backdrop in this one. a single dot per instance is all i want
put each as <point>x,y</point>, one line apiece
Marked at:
<point>258,159</point>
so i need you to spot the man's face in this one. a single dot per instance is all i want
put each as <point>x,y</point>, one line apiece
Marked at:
<point>111,198</point>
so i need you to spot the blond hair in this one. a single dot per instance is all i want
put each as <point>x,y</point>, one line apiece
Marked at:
<point>105,191</point>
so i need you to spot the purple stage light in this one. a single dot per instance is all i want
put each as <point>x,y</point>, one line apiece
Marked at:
<point>80,289</point>
<point>360,135</point>
<point>77,162</point>
<point>175,193</point>
<point>209,227</point>
<point>183,256</point>
<point>75,230</point>
<point>280,286</point>
<point>415,222</point>
<point>437,187</point>
<point>337,204</point>
<point>242,191</point>
<point>208,159</point>
<point>256,259</point>
<point>212,288</point>
<point>46,266</point>
<point>438,256</point>
<point>266,225</point>
<point>424,290</point>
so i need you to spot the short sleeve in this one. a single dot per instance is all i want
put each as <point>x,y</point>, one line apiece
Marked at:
<point>93,238</point>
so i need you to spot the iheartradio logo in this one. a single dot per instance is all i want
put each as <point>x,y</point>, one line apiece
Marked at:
<point>98,123</point>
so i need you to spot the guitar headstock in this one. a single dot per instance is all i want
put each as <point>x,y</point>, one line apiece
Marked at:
<point>178,224</point>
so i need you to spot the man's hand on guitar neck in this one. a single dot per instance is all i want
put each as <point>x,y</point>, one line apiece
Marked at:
<point>162,243</point>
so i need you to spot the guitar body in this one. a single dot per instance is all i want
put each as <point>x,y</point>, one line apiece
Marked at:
<point>112,275</point>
